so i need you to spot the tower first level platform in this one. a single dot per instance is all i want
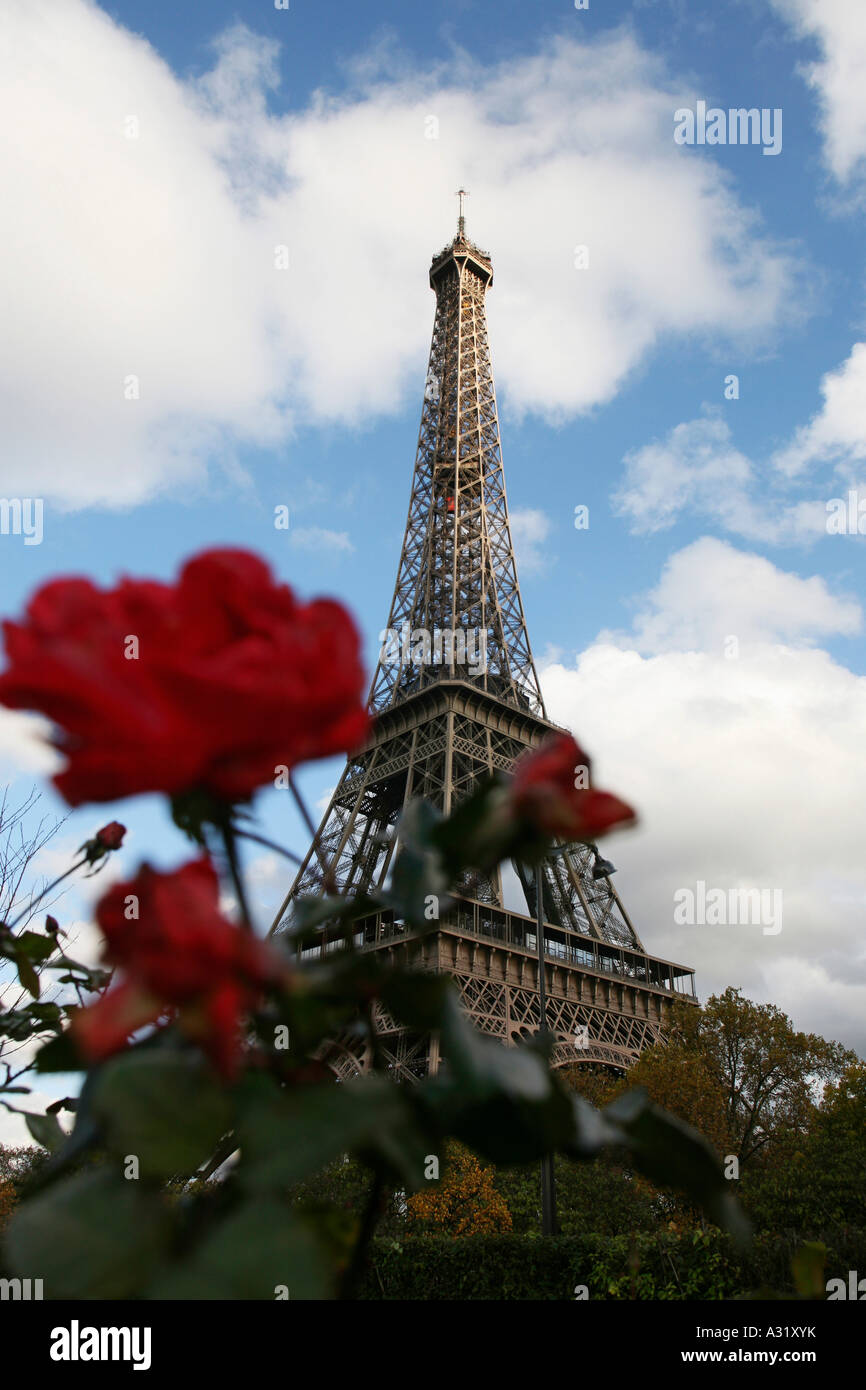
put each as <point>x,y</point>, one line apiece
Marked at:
<point>605,1003</point>
<point>607,999</point>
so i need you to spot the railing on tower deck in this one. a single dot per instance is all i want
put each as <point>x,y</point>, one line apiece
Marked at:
<point>469,917</point>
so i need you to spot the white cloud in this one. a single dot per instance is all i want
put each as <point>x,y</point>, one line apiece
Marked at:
<point>24,747</point>
<point>744,772</point>
<point>530,529</point>
<point>838,77</point>
<point>710,591</point>
<point>154,257</point>
<point>696,463</point>
<point>697,468</point>
<point>837,433</point>
<point>269,877</point>
<point>316,538</point>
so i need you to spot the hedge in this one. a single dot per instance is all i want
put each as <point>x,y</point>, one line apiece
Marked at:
<point>695,1265</point>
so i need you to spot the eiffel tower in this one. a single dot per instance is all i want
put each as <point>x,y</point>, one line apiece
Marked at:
<point>456,696</point>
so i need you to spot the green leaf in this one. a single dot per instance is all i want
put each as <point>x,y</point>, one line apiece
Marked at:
<point>22,1023</point>
<point>166,1108</point>
<point>66,1103</point>
<point>501,1101</point>
<point>479,832</point>
<point>27,975</point>
<point>192,811</point>
<point>484,1066</point>
<point>90,1236</point>
<point>287,1133</point>
<point>419,871</point>
<point>593,1130</point>
<point>59,1054</point>
<point>415,998</point>
<point>35,946</point>
<point>46,1131</point>
<point>46,1013</point>
<point>91,977</point>
<point>256,1250</point>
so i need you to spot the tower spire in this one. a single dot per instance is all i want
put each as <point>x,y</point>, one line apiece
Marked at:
<point>461,220</point>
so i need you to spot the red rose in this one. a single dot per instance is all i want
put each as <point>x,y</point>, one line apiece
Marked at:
<point>111,835</point>
<point>208,684</point>
<point>166,932</point>
<point>551,789</point>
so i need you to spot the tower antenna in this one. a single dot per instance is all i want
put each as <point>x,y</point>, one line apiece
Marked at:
<point>461,220</point>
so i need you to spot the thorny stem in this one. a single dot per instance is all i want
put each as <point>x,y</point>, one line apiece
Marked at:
<point>228,834</point>
<point>269,844</point>
<point>329,881</point>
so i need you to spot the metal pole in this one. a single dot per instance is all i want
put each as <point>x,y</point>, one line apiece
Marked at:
<point>548,1180</point>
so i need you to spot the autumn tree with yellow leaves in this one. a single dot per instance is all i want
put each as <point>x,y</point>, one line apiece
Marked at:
<point>462,1202</point>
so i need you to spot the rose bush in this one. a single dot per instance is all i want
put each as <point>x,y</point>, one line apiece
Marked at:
<point>211,1043</point>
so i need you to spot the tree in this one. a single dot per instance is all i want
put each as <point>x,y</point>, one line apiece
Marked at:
<point>816,1180</point>
<point>8,1199</point>
<point>740,1072</point>
<point>22,838</point>
<point>28,1013</point>
<point>685,1081</point>
<point>595,1083</point>
<point>464,1202</point>
<point>17,1166</point>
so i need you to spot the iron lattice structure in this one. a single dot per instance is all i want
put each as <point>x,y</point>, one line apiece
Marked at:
<point>456,697</point>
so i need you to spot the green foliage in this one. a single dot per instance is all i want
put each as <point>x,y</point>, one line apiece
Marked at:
<point>334,1201</point>
<point>602,1197</point>
<point>690,1266</point>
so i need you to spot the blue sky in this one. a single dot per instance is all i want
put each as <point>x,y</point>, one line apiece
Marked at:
<point>160,156</point>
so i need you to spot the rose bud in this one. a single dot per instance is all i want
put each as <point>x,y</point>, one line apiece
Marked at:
<point>111,835</point>
<point>109,838</point>
<point>551,791</point>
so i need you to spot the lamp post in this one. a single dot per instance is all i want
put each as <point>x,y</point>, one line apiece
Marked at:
<point>548,1179</point>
